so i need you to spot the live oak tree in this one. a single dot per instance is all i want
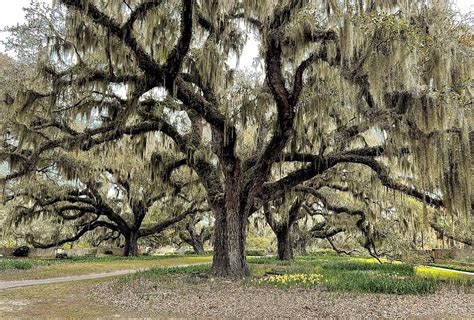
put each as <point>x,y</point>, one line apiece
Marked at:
<point>81,197</point>
<point>376,84</point>
<point>282,225</point>
<point>195,231</point>
<point>390,226</point>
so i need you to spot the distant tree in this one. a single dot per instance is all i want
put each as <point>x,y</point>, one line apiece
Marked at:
<point>111,200</point>
<point>283,226</point>
<point>195,233</point>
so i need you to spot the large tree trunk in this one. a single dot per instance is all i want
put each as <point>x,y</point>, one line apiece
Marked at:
<point>284,245</point>
<point>229,246</point>
<point>230,231</point>
<point>131,245</point>
<point>220,260</point>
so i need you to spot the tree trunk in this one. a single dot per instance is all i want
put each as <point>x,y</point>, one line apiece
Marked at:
<point>230,231</point>
<point>198,246</point>
<point>229,246</point>
<point>299,240</point>
<point>284,245</point>
<point>300,247</point>
<point>131,245</point>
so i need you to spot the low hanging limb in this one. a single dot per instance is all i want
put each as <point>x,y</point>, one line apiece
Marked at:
<point>89,227</point>
<point>338,251</point>
<point>361,224</point>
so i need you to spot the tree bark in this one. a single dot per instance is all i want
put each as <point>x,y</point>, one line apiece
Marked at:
<point>198,247</point>
<point>131,245</point>
<point>300,247</point>
<point>284,245</point>
<point>220,260</point>
<point>195,241</point>
<point>230,229</point>
<point>299,241</point>
<point>229,245</point>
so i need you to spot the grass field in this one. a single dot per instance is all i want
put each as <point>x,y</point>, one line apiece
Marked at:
<point>27,269</point>
<point>334,274</point>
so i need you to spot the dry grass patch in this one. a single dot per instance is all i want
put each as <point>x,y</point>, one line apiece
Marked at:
<point>61,301</point>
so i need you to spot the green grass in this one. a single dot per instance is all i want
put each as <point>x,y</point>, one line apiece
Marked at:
<point>380,282</point>
<point>465,260</point>
<point>24,264</point>
<point>28,263</point>
<point>400,269</point>
<point>342,274</point>
<point>361,275</point>
<point>169,271</point>
<point>43,269</point>
<point>12,264</point>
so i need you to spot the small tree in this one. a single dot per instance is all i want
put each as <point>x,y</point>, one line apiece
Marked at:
<point>283,227</point>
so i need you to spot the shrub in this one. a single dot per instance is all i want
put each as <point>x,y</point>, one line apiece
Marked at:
<point>22,251</point>
<point>61,255</point>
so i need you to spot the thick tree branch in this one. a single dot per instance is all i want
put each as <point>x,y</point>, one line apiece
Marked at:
<point>89,227</point>
<point>159,227</point>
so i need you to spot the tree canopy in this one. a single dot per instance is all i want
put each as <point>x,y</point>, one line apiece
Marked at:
<point>374,93</point>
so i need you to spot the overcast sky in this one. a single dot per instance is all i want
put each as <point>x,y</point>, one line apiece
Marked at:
<point>12,14</point>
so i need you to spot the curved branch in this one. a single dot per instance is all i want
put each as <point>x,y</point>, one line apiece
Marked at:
<point>159,227</point>
<point>89,227</point>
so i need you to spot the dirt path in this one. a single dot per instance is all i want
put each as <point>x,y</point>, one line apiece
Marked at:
<point>36,282</point>
<point>453,270</point>
<point>27,283</point>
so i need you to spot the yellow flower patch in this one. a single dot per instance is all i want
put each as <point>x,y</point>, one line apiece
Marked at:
<point>290,280</point>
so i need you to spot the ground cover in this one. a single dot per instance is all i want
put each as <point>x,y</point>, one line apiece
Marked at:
<point>317,286</point>
<point>59,301</point>
<point>323,285</point>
